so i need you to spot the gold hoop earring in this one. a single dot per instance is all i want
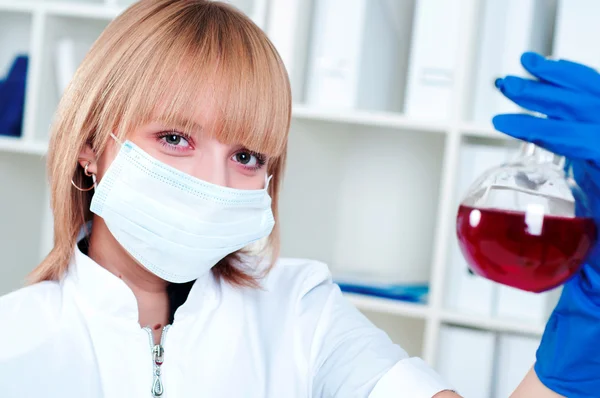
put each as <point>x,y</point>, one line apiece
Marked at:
<point>85,171</point>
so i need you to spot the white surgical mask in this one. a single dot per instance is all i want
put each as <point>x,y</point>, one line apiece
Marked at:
<point>175,225</point>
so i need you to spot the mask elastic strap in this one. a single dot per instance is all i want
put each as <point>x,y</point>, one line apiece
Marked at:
<point>116,139</point>
<point>267,181</point>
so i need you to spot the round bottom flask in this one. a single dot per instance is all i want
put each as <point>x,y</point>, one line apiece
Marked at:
<point>526,224</point>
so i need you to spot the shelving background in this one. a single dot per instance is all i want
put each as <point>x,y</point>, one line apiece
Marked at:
<point>369,191</point>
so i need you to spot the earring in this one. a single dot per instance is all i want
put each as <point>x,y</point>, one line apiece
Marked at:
<point>85,171</point>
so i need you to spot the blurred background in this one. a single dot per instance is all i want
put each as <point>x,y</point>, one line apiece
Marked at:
<point>392,108</point>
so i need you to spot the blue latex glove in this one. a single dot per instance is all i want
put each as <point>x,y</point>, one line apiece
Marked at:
<point>568,359</point>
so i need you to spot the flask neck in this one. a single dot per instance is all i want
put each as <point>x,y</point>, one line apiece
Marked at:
<point>533,154</point>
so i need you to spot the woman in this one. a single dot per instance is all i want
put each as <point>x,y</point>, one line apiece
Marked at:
<point>165,162</point>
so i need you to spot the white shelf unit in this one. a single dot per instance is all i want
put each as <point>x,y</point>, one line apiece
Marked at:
<point>365,190</point>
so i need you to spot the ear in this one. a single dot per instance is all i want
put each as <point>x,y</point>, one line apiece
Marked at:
<point>87,155</point>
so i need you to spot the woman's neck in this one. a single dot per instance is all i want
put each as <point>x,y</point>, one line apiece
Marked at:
<point>150,291</point>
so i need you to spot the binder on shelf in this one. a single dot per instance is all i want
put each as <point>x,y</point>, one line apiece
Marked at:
<point>466,360</point>
<point>533,308</point>
<point>515,355</point>
<point>467,292</point>
<point>358,52</point>
<point>577,31</point>
<point>12,98</point>
<point>508,28</point>
<point>288,28</point>
<point>256,10</point>
<point>65,64</point>
<point>433,58</point>
<point>259,12</point>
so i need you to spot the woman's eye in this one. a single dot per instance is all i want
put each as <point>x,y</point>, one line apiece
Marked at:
<point>175,140</point>
<point>245,158</point>
<point>249,159</point>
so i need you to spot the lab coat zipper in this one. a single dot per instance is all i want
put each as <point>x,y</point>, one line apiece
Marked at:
<point>158,353</point>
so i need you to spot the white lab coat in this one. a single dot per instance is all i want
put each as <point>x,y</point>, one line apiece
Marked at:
<point>296,337</point>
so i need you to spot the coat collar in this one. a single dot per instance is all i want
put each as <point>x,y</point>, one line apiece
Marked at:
<point>102,294</point>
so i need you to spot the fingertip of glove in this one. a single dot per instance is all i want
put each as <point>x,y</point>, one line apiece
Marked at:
<point>499,121</point>
<point>498,83</point>
<point>530,59</point>
<point>508,123</point>
<point>510,85</point>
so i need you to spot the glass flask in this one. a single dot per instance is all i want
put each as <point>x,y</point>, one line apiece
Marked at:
<point>526,224</point>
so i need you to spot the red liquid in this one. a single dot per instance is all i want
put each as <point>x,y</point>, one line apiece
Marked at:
<point>499,247</point>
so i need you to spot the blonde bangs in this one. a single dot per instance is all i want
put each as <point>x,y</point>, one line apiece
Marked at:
<point>213,62</point>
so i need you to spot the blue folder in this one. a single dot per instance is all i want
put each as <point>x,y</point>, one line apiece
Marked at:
<point>414,293</point>
<point>12,98</point>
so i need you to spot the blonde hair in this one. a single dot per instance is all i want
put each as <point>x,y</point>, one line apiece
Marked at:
<point>154,61</point>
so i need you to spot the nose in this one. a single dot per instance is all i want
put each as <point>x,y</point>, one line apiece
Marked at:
<point>211,164</point>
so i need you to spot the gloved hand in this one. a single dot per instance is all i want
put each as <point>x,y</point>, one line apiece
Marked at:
<point>568,359</point>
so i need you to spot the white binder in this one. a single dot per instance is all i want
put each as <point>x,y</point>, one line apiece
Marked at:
<point>433,58</point>
<point>288,24</point>
<point>466,359</point>
<point>508,28</point>
<point>515,356</point>
<point>533,308</point>
<point>577,31</point>
<point>65,64</point>
<point>357,54</point>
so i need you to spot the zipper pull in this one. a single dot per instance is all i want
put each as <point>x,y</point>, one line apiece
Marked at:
<point>158,357</point>
<point>158,354</point>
